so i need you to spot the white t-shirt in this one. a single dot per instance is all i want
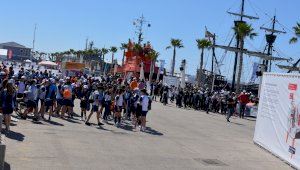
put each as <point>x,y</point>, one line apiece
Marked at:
<point>95,98</point>
<point>107,97</point>
<point>145,103</point>
<point>120,100</point>
<point>42,94</point>
<point>21,87</point>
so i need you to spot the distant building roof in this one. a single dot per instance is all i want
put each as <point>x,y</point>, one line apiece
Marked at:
<point>13,44</point>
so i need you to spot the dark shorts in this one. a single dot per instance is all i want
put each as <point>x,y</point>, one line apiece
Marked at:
<point>132,109</point>
<point>118,108</point>
<point>31,104</point>
<point>84,104</point>
<point>20,95</point>
<point>42,101</point>
<point>95,108</point>
<point>7,111</point>
<point>144,113</point>
<point>60,102</point>
<point>68,103</point>
<point>48,102</point>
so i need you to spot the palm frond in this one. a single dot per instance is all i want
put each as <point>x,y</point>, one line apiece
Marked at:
<point>293,40</point>
<point>203,43</point>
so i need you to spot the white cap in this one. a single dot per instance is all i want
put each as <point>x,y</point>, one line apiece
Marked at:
<point>85,86</point>
<point>52,80</point>
<point>11,81</point>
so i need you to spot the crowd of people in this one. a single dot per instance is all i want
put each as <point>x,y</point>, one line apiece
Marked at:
<point>221,101</point>
<point>109,98</point>
<point>45,95</point>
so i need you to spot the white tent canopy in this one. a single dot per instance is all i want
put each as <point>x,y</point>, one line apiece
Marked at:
<point>47,63</point>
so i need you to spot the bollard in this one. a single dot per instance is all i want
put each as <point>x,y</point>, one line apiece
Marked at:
<point>2,155</point>
<point>2,146</point>
<point>1,121</point>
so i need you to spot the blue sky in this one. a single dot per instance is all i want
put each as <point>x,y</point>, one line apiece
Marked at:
<point>65,24</point>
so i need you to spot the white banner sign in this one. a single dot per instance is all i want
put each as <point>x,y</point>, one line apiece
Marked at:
<point>171,81</point>
<point>278,120</point>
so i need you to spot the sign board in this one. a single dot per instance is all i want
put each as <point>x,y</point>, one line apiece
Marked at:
<point>3,54</point>
<point>278,119</point>
<point>171,81</point>
<point>73,66</point>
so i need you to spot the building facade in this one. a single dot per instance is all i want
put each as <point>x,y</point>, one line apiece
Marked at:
<point>16,52</point>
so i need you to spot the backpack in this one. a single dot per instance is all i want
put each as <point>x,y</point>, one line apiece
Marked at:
<point>67,94</point>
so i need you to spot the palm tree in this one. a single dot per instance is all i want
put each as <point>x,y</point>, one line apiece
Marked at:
<point>153,55</point>
<point>104,51</point>
<point>79,53</point>
<point>72,51</point>
<point>175,43</point>
<point>138,49</point>
<point>123,47</point>
<point>296,32</point>
<point>202,44</point>
<point>113,50</point>
<point>242,31</point>
<point>52,57</point>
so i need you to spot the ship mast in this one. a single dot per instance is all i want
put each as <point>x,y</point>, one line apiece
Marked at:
<point>236,22</point>
<point>139,24</point>
<point>270,38</point>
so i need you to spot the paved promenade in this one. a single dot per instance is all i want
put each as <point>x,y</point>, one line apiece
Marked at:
<point>176,139</point>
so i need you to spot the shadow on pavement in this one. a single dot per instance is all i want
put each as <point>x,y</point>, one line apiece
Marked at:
<point>151,131</point>
<point>6,166</point>
<point>75,114</point>
<point>250,119</point>
<point>15,136</point>
<point>238,124</point>
<point>37,122</point>
<point>126,127</point>
<point>102,128</point>
<point>13,124</point>
<point>72,121</point>
<point>54,123</point>
<point>111,124</point>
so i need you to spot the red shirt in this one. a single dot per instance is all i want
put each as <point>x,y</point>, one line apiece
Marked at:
<point>243,98</point>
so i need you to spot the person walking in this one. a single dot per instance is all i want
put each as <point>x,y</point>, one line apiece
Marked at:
<point>95,100</point>
<point>230,107</point>
<point>145,103</point>
<point>67,99</point>
<point>119,103</point>
<point>243,99</point>
<point>107,105</point>
<point>8,97</point>
<point>50,96</point>
<point>84,95</point>
<point>31,98</point>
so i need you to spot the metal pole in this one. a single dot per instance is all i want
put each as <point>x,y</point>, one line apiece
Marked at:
<point>33,42</point>
<point>214,56</point>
